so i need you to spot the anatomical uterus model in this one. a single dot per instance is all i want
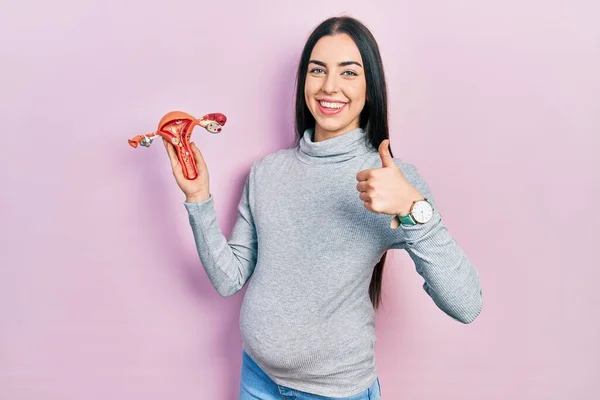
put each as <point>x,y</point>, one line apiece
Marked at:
<point>176,127</point>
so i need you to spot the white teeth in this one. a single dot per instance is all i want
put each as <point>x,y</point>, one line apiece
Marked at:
<point>331,105</point>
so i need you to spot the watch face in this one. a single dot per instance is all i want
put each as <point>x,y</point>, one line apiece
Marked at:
<point>422,211</point>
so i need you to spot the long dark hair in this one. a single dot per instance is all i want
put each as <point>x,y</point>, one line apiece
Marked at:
<point>374,116</point>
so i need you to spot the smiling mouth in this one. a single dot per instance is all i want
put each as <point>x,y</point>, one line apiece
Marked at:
<point>331,105</point>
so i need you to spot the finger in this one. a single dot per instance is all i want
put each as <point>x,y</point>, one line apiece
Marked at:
<point>166,143</point>
<point>365,174</point>
<point>173,157</point>
<point>373,206</point>
<point>363,186</point>
<point>364,196</point>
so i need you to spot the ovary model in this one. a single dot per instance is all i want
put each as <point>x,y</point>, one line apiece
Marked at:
<point>176,127</point>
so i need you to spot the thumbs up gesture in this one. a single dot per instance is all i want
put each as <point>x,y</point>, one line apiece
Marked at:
<point>386,190</point>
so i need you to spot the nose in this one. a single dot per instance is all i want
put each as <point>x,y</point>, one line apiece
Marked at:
<point>330,85</point>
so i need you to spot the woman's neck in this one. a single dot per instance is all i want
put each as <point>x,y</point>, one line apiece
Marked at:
<point>323,134</point>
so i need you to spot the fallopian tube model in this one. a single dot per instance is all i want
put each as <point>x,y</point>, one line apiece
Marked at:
<point>177,127</point>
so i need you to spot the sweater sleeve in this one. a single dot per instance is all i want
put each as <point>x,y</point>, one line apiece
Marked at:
<point>450,279</point>
<point>228,263</point>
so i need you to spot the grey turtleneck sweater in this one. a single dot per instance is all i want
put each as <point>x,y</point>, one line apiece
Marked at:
<point>306,246</point>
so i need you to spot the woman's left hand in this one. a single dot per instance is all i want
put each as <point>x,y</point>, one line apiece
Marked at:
<point>386,190</point>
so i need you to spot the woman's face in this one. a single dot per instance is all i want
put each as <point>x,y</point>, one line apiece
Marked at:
<point>335,88</point>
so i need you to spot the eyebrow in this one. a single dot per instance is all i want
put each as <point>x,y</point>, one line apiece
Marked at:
<point>340,64</point>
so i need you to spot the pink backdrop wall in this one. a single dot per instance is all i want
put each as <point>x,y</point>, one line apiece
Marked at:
<point>102,295</point>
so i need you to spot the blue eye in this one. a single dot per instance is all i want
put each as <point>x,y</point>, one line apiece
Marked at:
<point>352,73</point>
<point>312,71</point>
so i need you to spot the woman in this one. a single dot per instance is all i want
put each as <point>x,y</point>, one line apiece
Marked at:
<point>314,224</point>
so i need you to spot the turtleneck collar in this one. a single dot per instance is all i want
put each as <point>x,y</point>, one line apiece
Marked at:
<point>334,150</point>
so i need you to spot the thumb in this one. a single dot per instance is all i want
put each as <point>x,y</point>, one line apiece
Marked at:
<point>197,154</point>
<point>384,153</point>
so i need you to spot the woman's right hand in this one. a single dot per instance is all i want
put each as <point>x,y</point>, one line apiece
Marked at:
<point>196,190</point>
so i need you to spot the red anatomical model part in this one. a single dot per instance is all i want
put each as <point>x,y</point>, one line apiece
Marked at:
<point>177,127</point>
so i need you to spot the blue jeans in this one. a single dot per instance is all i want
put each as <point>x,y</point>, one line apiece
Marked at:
<point>257,385</point>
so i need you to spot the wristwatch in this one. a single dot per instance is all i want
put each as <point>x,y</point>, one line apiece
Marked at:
<point>420,212</point>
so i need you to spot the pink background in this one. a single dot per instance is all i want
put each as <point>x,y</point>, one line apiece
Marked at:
<point>102,295</point>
